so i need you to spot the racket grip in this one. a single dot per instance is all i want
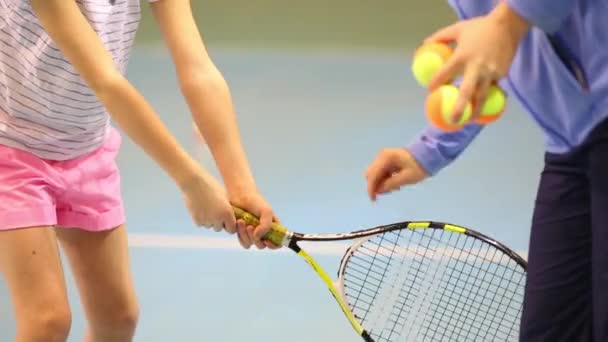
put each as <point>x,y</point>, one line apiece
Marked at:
<point>277,233</point>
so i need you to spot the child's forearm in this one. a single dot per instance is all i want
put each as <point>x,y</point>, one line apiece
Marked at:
<point>209,99</point>
<point>205,91</point>
<point>138,120</point>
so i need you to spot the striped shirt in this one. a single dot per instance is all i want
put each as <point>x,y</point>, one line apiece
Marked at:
<point>46,108</point>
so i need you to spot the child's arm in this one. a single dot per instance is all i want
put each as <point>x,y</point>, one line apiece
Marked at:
<point>208,97</point>
<point>205,91</point>
<point>72,33</point>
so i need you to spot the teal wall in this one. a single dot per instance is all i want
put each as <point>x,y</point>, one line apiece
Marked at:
<point>388,24</point>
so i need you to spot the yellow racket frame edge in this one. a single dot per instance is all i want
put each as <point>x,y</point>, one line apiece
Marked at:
<point>280,236</point>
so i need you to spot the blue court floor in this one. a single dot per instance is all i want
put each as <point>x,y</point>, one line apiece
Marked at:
<point>311,122</point>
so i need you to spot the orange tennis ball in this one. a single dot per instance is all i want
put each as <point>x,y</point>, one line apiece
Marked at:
<point>494,107</point>
<point>428,59</point>
<point>440,105</point>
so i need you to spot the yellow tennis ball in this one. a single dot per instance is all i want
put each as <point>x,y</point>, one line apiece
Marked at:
<point>428,59</point>
<point>440,105</point>
<point>494,107</point>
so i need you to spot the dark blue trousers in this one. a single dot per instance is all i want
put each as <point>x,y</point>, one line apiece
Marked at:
<point>566,296</point>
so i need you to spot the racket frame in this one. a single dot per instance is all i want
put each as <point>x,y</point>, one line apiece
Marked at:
<point>281,236</point>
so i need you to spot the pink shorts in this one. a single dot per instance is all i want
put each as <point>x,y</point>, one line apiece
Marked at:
<point>79,193</point>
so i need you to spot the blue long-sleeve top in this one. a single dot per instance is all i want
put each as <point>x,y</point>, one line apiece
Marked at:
<point>559,75</point>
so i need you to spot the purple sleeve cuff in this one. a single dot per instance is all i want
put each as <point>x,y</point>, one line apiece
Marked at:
<point>548,15</point>
<point>434,149</point>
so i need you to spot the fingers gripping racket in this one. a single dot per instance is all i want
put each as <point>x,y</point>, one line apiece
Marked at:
<point>420,281</point>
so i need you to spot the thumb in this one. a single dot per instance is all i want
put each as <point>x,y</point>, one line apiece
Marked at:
<point>397,180</point>
<point>229,220</point>
<point>446,35</point>
<point>266,216</point>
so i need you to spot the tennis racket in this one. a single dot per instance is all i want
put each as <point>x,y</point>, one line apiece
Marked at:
<point>420,281</point>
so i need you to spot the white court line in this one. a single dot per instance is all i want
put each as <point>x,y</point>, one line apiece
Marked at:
<point>162,241</point>
<point>219,243</point>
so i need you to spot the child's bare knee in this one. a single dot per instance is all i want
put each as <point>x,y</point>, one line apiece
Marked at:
<point>50,323</point>
<point>120,321</point>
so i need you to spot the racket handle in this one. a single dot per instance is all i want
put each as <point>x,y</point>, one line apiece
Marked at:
<point>277,233</point>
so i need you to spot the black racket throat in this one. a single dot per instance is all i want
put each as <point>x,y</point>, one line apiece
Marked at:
<point>366,337</point>
<point>293,245</point>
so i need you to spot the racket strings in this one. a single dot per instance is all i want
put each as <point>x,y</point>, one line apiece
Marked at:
<point>367,270</point>
<point>436,285</point>
<point>468,303</point>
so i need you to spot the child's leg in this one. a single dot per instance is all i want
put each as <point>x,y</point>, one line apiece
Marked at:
<point>29,260</point>
<point>29,257</point>
<point>92,233</point>
<point>100,263</point>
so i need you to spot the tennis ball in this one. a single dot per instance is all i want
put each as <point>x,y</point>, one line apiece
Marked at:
<point>428,59</point>
<point>440,105</point>
<point>494,107</point>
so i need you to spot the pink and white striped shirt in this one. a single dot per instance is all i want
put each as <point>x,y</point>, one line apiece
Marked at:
<point>46,108</point>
